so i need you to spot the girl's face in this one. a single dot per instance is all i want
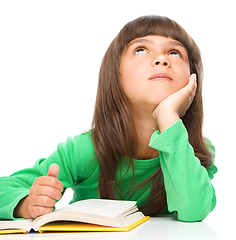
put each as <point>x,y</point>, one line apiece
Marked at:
<point>152,68</point>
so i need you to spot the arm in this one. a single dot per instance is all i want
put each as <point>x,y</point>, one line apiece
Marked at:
<point>15,188</point>
<point>188,184</point>
<point>43,194</point>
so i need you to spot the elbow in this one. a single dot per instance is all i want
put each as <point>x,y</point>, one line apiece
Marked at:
<point>195,213</point>
<point>189,216</point>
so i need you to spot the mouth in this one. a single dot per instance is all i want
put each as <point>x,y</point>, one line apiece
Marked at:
<point>160,77</point>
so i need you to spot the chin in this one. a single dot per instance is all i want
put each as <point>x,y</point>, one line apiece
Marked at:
<point>160,98</point>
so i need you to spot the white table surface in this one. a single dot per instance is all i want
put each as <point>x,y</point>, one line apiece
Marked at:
<point>163,228</point>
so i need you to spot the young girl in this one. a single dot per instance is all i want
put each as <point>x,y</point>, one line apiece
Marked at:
<point>146,141</point>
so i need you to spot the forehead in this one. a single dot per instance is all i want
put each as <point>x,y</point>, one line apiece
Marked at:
<point>156,40</point>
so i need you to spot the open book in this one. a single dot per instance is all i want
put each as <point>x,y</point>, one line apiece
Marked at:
<point>86,215</point>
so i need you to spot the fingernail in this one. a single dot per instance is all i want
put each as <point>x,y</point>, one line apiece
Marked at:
<point>195,76</point>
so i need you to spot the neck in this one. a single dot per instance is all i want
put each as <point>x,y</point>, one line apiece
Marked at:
<point>145,126</point>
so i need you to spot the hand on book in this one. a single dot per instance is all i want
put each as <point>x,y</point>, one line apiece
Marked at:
<point>43,194</point>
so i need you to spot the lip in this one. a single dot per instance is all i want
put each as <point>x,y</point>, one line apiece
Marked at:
<point>160,77</point>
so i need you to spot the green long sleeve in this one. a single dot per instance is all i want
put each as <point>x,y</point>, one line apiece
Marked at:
<point>72,161</point>
<point>187,183</point>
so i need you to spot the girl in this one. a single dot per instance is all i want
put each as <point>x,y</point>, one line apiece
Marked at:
<point>146,140</point>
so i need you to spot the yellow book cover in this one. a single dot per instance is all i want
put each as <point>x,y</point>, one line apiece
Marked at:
<point>86,227</point>
<point>86,215</point>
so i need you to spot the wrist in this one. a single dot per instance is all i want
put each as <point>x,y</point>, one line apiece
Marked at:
<point>21,210</point>
<point>165,119</point>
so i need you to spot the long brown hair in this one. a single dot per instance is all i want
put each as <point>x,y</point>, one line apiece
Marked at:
<point>113,129</point>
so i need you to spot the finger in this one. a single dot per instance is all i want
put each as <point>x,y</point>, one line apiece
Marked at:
<point>192,81</point>
<point>192,85</point>
<point>193,77</point>
<point>46,191</point>
<point>37,211</point>
<point>43,201</point>
<point>49,182</point>
<point>53,170</point>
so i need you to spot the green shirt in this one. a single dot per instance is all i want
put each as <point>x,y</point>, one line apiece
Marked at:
<point>188,184</point>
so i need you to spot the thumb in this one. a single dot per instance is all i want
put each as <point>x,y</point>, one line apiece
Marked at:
<point>193,78</point>
<point>53,170</point>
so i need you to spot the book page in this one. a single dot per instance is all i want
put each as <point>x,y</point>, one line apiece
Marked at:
<point>106,208</point>
<point>95,211</point>
<point>16,224</point>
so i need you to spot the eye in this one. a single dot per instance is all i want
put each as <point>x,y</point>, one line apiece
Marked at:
<point>140,50</point>
<point>175,53</point>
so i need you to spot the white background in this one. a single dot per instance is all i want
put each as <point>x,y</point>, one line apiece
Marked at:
<point>50,55</point>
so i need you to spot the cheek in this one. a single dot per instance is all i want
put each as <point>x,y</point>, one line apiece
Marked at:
<point>131,80</point>
<point>183,77</point>
<point>184,80</point>
<point>130,86</point>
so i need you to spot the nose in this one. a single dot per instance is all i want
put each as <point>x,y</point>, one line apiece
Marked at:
<point>161,60</point>
<point>165,63</point>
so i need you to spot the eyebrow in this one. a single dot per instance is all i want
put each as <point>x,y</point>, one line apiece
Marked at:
<point>141,40</point>
<point>176,43</point>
